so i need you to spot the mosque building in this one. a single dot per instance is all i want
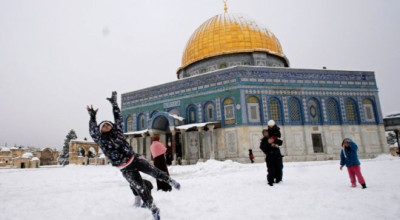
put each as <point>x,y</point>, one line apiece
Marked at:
<point>233,79</point>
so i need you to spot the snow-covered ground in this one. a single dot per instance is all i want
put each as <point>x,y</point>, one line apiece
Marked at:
<point>210,190</point>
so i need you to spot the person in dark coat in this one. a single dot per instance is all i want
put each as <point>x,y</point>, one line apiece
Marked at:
<point>273,158</point>
<point>158,151</point>
<point>110,138</point>
<point>251,155</point>
<point>178,153</point>
<point>168,154</point>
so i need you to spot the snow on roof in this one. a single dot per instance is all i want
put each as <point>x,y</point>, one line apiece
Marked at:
<point>102,156</point>
<point>176,117</point>
<point>42,149</point>
<point>27,155</point>
<point>35,158</point>
<point>137,132</point>
<point>81,141</point>
<point>5,149</point>
<point>395,115</point>
<point>198,125</point>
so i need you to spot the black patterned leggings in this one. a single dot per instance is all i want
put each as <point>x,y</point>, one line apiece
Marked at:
<point>132,175</point>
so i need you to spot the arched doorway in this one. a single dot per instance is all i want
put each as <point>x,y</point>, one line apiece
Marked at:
<point>163,123</point>
<point>160,123</point>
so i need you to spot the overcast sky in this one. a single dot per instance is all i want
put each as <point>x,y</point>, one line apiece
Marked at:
<point>57,56</point>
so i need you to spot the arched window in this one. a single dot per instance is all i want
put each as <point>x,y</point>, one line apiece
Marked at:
<point>92,152</point>
<point>229,111</point>
<point>191,114</point>
<point>314,111</point>
<point>209,112</point>
<point>369,110</point>
<point>295,114</point>
<point>275,110</point>
<point>253,109</point>
<point>141,122</point>
<point>351,111</point>
<point>81,152</point>
<point>333,111</point>
<point>129,123</point>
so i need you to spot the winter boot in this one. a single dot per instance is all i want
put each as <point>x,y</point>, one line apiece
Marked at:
<point>155,212</point>
<point>175,184</point>
<point>143,205</point>
<point>364,186</point>
<point>271,184</point>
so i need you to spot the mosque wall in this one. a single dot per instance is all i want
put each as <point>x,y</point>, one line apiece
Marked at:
<point>298,144</point>
<point>315,108</point>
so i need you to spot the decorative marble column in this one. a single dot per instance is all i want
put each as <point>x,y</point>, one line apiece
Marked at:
<point>212,148</point>
<point>201,147</point>
<point>143,144</point>
<point>173,145</point>
<point>183,133</point>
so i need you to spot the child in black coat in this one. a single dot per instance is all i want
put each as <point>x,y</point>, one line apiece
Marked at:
<point>111,140</point>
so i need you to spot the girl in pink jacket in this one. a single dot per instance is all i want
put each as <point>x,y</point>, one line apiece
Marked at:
<point>158,153</point>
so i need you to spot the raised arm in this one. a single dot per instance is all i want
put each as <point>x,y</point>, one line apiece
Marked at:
<point>116,111</point>
<point>93,128</point>
<point>353,146</point>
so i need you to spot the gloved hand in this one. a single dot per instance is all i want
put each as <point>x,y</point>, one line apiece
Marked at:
<point>92,112</point>
<point>113,98</point>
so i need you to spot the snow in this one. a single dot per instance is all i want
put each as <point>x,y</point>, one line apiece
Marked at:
<point>35,158</point>
<point>5,149</point>
<point>177,117</point>
<point>27,155</point>
<point>211,190</point>
<point>81,141</point>
<point>199,125</point>
<point>137,132</point>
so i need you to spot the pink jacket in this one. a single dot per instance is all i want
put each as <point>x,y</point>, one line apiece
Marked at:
<point>157,149</point>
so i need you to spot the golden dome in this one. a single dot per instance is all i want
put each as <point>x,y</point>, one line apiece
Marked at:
<point>229,33</point>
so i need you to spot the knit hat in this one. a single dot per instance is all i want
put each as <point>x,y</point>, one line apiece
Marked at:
<point>346,139</point>
<point>105,122</point>
<point>271,123</point>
